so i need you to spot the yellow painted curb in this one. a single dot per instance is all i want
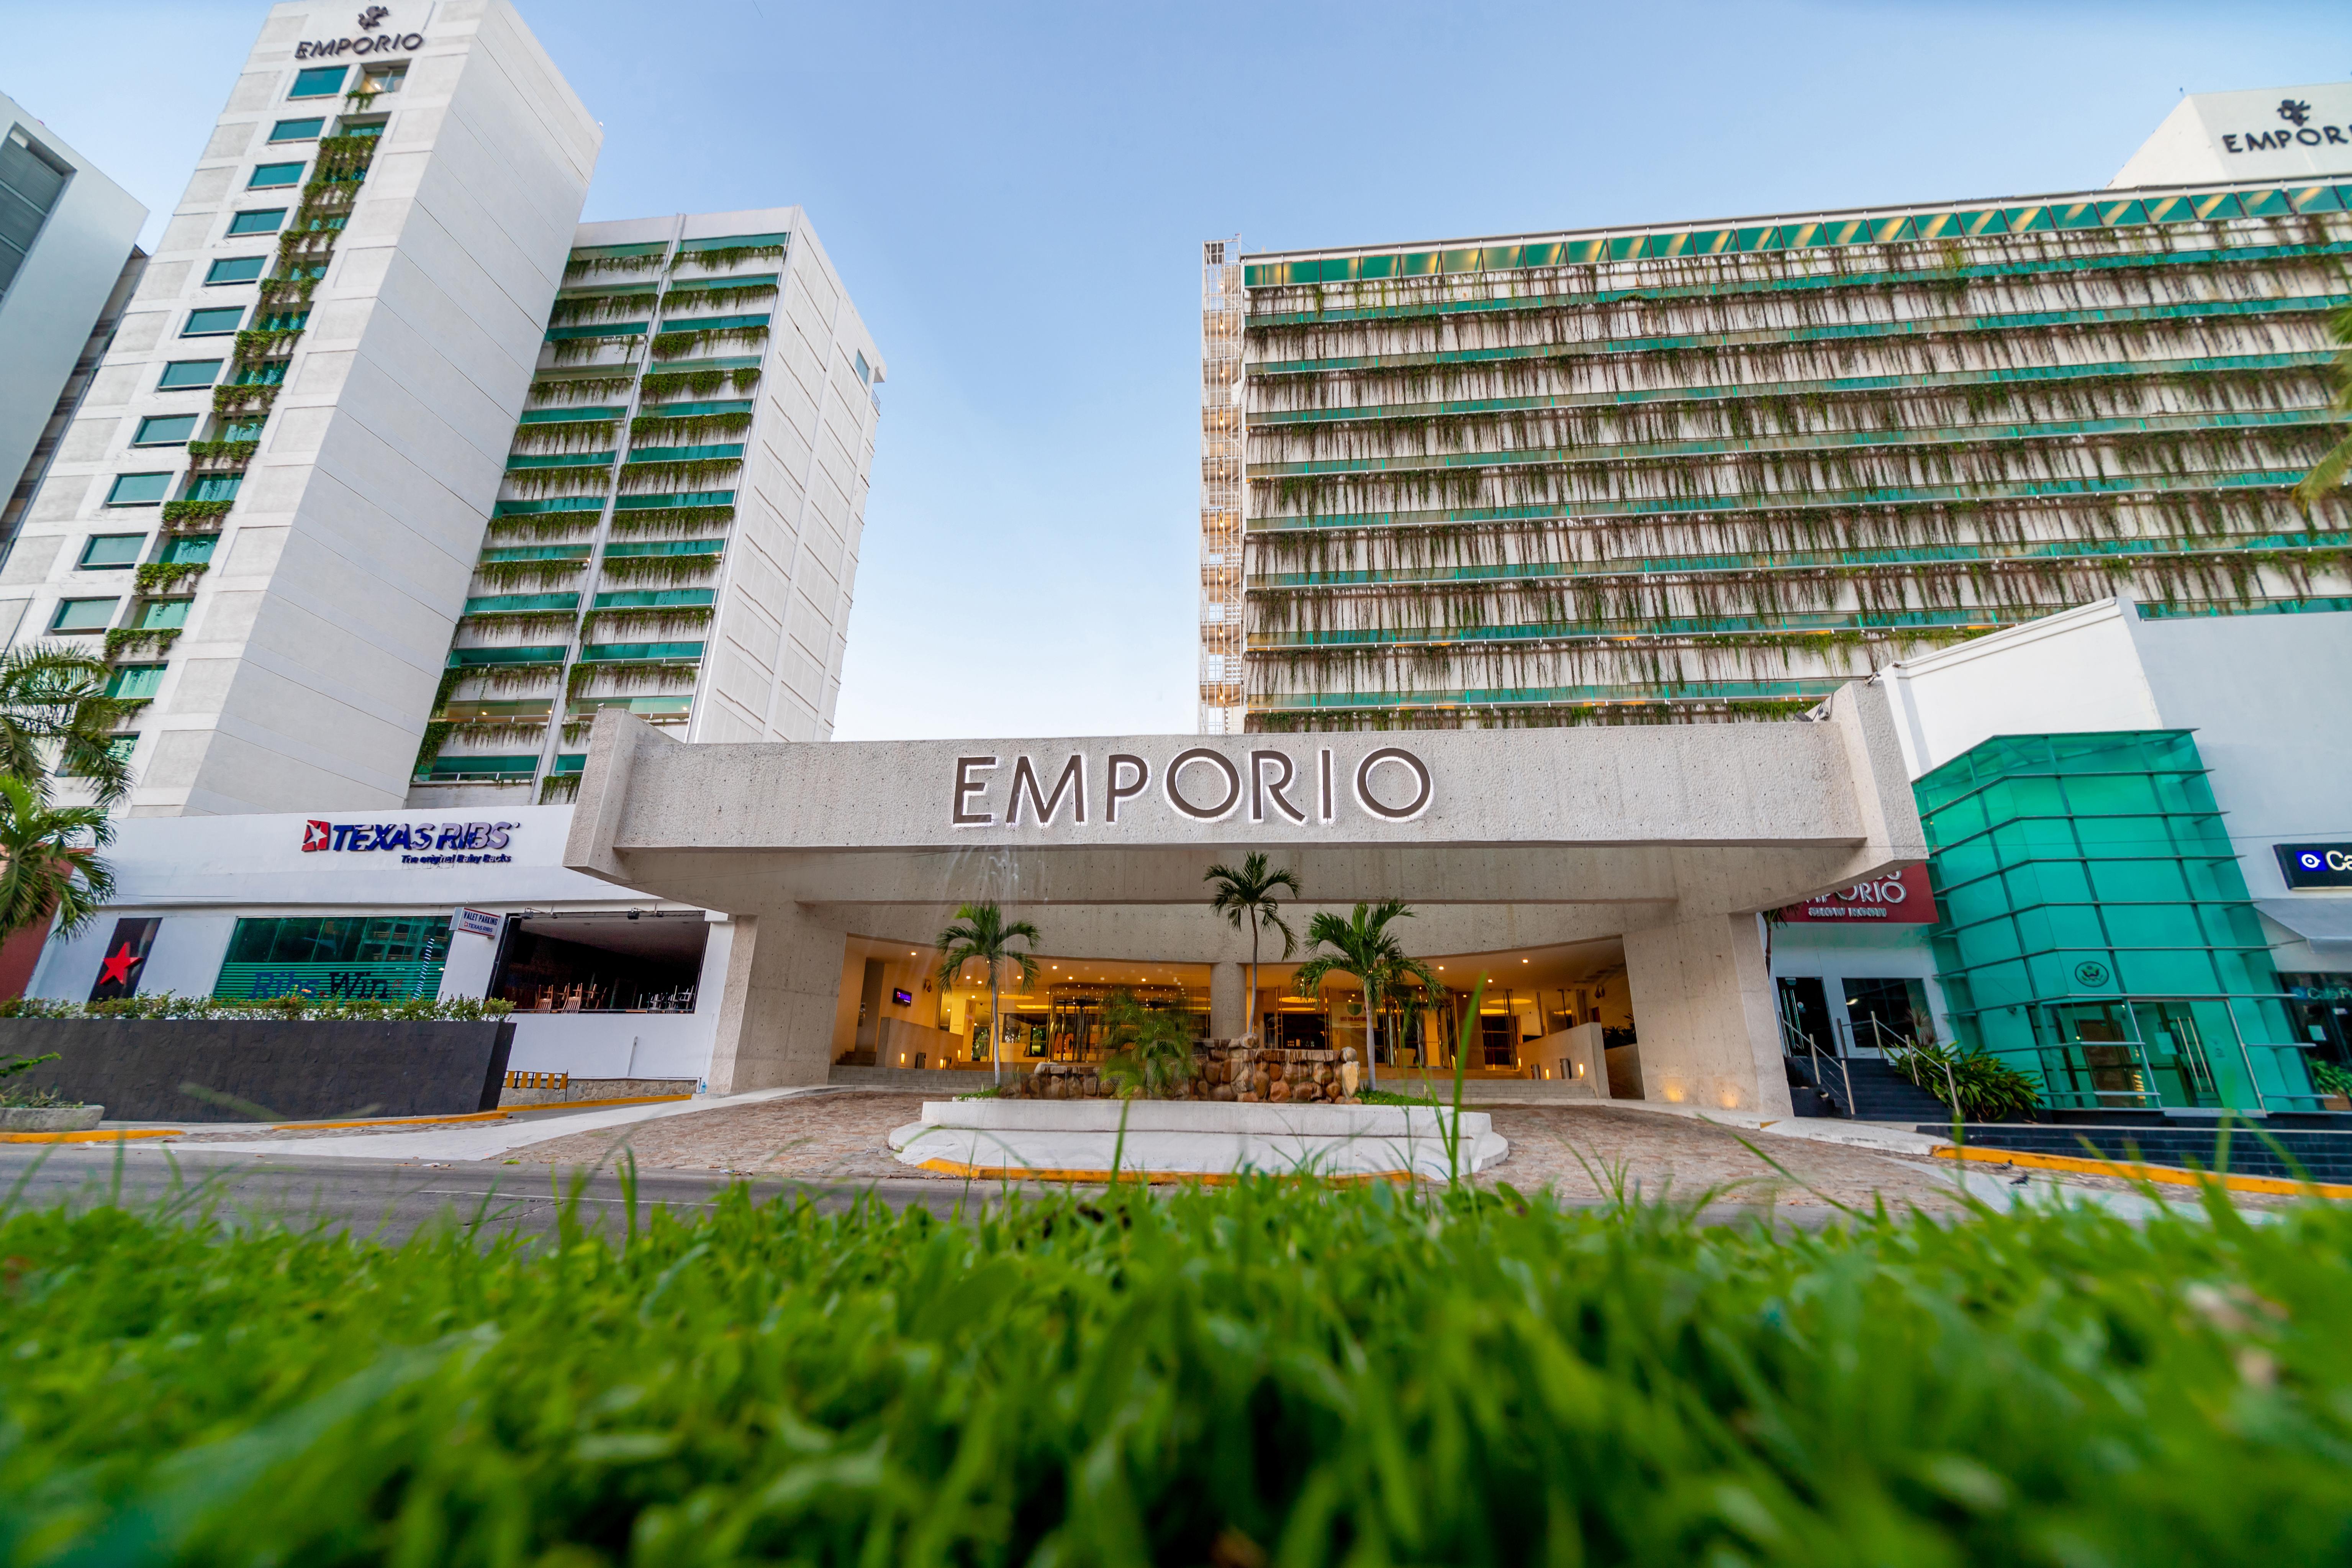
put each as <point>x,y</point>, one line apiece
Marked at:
<point>2275,1186</point>
<point>1152,1178</point>
<point>101,1135</point>
<point>499,1115</point>
<point>93,1135</point>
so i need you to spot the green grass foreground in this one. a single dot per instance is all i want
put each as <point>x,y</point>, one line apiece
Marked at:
<point>1264,1373</point>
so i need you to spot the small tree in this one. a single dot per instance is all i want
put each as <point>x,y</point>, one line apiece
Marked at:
<point>1246,896</point>
<point>1151,1048</point>
<point>51,860</point>
<point>1361,946</point>
<point>981,934</point>
<point>50,693</point>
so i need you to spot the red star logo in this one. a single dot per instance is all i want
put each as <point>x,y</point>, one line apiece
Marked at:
<point>316,835</point>
<point>118,964</point>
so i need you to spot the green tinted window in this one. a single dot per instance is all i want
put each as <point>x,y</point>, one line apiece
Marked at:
<point>213,324</point>
<point>165,430</point>
<point>262,220</point>
<point>297,129</point>
<point>186,548</point>
<point>83,615</point>
<point>189,372</point>
<point>163,615</point>
<point>107,551</point>
<point>269,175</point>
<point>214,487</point>
<point>139,490</point>
<point>235,269</point>
<point>318,81</point>
<point>135,681</point>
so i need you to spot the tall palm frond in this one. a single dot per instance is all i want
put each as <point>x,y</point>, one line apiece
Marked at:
<point>982,934</point>
<point>48,860</point>
<point>2330,470</point>
<point>1362,947</point>
<point>1247,895</point>
<point>53,694</point>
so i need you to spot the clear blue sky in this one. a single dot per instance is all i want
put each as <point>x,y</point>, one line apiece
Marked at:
<point>1016,196</point>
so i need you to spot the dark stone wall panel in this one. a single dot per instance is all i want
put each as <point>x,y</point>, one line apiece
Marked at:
<point>252,1069</point>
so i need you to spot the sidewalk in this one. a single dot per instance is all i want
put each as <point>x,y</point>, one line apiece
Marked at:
<point>476,1141</point>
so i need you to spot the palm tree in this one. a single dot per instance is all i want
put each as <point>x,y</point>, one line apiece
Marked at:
<point>47,865</point>
<point>52,693</point>
<point>2332,468</point>
<point>982,934</point>
<point>1151,1048</point>
<point>1247,895</point>
<point>1361,946</point>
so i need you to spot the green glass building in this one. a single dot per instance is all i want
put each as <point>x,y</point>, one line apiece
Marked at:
<point>2096,929</point>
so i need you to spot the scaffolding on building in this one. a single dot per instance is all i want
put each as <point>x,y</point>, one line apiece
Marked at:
<point>1223,701</point>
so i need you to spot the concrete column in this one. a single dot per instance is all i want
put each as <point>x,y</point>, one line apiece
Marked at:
<point>776,1016</point>
<point>1228,1008</point>
<point>1704,1016</point>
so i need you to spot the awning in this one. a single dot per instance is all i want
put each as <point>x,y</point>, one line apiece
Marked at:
<point>2315,918</point>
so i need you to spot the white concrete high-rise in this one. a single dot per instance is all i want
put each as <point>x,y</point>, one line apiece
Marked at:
<point>678,529</point>
<point>271,500</point>
<point>69,251</point>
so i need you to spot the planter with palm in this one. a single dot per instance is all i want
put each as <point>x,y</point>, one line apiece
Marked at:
<point>1362,947</point>
<point>1248,897</point>
<point>1150,1050</point>
<point>981,936</point>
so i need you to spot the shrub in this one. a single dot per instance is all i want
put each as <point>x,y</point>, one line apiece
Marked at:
<point>1273,1373</point>
<point>294,1004</point>
<point>1989,1089</point>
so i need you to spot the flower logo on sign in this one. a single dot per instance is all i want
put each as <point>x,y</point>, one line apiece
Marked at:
<point>2293,112</point>
<point>372,18</point>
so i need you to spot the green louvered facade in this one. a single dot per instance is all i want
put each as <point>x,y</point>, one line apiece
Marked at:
<point>1701,473</point>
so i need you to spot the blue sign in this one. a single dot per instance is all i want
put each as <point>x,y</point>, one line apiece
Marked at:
<point>2316,865</point>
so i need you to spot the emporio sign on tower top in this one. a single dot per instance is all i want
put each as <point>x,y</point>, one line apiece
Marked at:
<point>373,39</point>
<point>2298,131</point>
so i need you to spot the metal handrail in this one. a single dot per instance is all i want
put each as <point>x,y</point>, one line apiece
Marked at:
<point>1788,1036</point>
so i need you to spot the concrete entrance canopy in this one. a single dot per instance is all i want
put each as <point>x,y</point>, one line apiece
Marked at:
<point>1670,837</point>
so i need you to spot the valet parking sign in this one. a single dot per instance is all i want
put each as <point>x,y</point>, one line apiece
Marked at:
<point>1903,898</point>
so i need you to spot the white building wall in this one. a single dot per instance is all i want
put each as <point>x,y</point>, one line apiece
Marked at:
<point>201,876</point>
<point>47,308</point>
<point>772,669</point>
<point>310,660</point>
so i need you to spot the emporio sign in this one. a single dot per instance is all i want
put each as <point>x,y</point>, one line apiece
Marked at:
<point>2298,131</point>
<point>1391,784</point>
<point>373,40</point>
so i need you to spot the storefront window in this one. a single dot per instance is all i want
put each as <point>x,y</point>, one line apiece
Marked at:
<point>606,962</point>
<point>384,957</point>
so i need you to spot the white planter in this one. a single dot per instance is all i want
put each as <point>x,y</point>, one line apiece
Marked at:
<point>50,1118</point>
<point>1079,1139</point>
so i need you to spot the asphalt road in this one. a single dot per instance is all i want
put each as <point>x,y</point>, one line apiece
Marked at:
<point>392,1200</point>
<point>382,1198</point>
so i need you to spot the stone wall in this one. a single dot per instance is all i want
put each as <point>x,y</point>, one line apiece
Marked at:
<point>1222,1070</point>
